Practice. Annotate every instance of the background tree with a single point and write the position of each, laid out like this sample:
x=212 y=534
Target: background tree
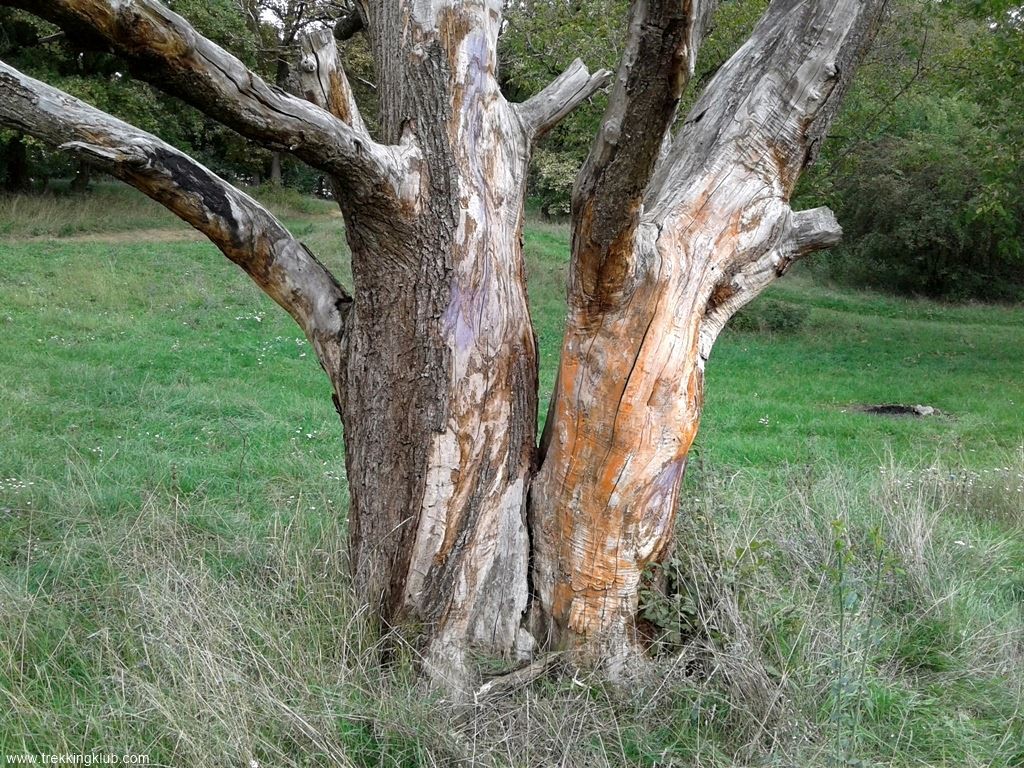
x=105 y=80
x=924 y=165
x=279 y=24
x=463 y=534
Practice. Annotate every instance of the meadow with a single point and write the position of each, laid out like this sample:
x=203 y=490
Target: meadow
x=849 y=589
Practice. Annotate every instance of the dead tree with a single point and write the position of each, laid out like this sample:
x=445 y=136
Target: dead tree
x=465 y=533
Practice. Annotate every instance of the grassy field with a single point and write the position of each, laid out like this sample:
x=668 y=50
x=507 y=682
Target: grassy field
x=172 y=504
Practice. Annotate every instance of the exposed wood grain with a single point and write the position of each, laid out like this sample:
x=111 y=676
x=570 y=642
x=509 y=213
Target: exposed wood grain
x=712 y=227
x=802 y=233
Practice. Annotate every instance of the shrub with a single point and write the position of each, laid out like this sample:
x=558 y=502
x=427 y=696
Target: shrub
x=934 y=208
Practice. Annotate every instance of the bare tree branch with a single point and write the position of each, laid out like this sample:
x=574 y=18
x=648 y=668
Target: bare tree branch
x=815 y=230
x=769 y=107
x=168 y=52
x=323 y=79
x=803 y=233
x=751 y=133
x=542 y=112
x=241 y=228
x=658 y=60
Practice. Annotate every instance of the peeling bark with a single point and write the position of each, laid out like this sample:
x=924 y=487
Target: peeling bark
x=440 y=410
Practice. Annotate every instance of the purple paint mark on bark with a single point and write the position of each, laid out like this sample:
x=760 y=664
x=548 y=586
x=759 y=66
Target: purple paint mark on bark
x=456 y=324
x=661 y=501
x=668 y=479
x=475 y=84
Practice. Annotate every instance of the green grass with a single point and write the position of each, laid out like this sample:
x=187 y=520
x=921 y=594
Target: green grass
x=172 y=503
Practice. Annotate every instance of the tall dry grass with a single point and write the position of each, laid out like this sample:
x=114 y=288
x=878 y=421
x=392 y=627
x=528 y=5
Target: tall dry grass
x=823 y=619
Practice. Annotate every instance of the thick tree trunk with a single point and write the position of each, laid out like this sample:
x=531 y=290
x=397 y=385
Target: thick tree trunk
x=439 y=396
x=440 y=390
x=650 y=291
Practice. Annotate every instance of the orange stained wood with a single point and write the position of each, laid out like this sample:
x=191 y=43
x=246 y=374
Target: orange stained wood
x=621 y=466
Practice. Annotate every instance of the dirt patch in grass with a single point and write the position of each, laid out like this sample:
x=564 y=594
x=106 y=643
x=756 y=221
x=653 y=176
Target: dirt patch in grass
x=898 y=409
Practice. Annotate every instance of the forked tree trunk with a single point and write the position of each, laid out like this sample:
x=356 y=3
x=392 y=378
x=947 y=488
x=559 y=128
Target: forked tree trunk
x=462 y=534
x=652 y=284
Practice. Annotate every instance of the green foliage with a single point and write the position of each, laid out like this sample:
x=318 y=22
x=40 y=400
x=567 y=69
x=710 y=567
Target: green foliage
x=924 y=165
x=105 y=81
x=552 y=176
x=539 y=42
x=927 y=208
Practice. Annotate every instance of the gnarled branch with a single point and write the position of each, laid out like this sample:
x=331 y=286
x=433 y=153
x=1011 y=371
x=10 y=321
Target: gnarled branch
x=768 y=107
x=323 y=79
x=166 y=50
x=803 y=233
x=543 y=111
x=815 y=230
x=240 y=227
x=658 y=60
x=757 y=125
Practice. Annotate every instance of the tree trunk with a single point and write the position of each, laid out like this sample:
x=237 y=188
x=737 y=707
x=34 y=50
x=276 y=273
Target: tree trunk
x=83 y=177
x=649 y=292
x=276 y=156
x=16 y=177
x=440 y=390
x=275 y=169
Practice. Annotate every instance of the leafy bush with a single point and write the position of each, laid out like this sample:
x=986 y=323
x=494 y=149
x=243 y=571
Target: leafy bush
x=929 y=209
x=551 y=181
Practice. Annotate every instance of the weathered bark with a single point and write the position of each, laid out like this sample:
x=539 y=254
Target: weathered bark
x=703 y=224
x=440 y=400
x=433 y=361
x=441 y=391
